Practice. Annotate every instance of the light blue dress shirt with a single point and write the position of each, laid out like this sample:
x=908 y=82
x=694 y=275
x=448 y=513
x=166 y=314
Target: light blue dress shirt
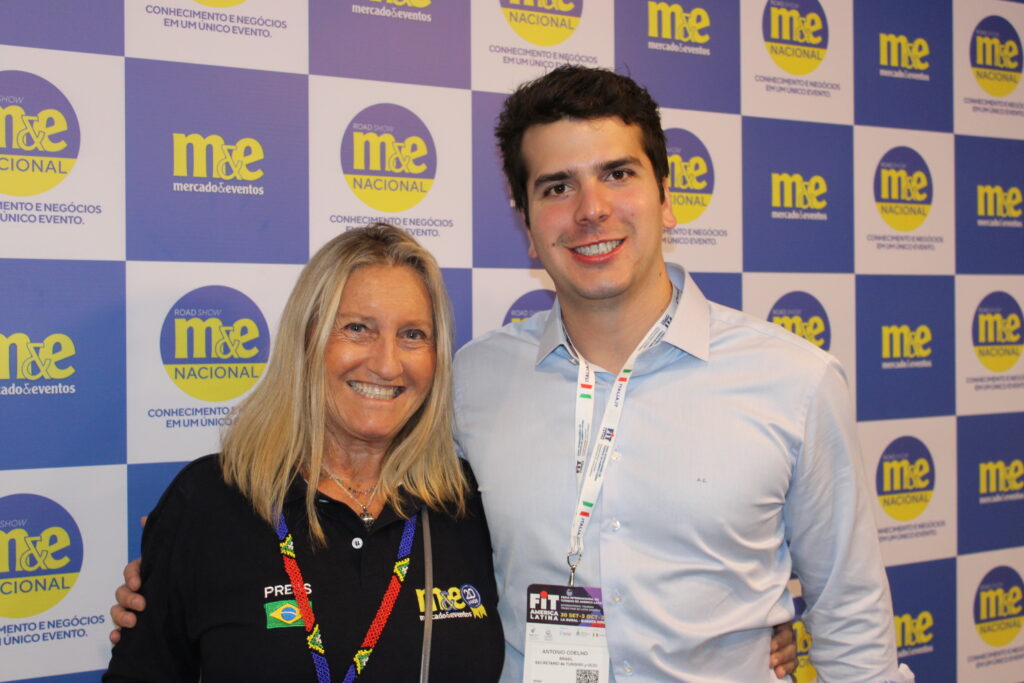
x=736 y=462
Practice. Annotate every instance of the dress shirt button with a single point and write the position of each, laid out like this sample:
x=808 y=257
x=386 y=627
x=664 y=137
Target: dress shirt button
x=627 y=669
x=617 y=599
x=616 y=455
x=616 y=525
x=357 y=543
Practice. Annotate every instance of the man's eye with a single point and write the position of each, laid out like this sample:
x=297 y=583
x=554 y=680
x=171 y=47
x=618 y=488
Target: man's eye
x=560 y=188
x=619 y=174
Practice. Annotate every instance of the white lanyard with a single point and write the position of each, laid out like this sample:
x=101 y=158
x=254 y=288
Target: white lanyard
x=594 y=478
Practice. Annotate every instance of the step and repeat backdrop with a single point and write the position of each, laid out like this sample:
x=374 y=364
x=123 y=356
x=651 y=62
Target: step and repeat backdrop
x=851 y=171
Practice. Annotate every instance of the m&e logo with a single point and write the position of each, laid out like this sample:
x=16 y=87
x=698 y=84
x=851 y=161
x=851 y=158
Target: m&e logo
x=997 y=606
x=905 y=478
x=796 y=34
x=906 y=347
x=215 y=343
x=388 y=157
x=903 y=189
x=995 y=56
x=1000 y=208
x=1000 y=481
x=995 y=332
x=804 y=316
x=48 y=359
x=691 y=174
x=39 y=134
x=913 y=631
x=670 y=21
x=40 y=554
x=453 y=601
x=796 y=197
x=211 y=156
x=900 y=57
x=543 y=22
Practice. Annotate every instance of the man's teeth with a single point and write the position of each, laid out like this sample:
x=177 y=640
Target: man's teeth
x=375 y=390
x=597 y=249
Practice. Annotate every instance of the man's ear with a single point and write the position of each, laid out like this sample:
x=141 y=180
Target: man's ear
x=668 y=218
x=529 y=238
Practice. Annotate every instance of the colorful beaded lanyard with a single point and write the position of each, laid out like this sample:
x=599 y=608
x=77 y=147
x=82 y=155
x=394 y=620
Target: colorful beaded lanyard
x=387 y=603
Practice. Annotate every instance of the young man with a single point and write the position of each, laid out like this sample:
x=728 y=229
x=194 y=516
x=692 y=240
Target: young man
x=726 y=458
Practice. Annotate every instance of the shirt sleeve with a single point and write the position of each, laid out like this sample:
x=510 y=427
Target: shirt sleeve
x=159 y=649
x=834 y=544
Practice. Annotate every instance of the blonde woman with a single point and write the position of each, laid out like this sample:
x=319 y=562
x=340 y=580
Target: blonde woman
x=336 y=536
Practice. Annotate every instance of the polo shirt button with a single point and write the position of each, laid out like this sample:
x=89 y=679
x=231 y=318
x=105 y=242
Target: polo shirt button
x=357 y=543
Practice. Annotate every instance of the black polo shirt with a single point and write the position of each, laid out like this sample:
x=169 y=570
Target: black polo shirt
x=218 y=601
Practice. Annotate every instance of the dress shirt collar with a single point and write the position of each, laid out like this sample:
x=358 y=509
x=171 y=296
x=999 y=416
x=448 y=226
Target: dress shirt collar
x=689 y=330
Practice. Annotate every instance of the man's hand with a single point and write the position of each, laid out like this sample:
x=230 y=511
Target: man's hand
x=129 y=601
x=783 y=653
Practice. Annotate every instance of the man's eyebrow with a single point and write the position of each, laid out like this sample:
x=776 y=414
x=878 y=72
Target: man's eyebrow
x=557 y=176
x=619 y=163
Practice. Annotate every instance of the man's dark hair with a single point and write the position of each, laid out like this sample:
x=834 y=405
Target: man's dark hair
x=576 y=92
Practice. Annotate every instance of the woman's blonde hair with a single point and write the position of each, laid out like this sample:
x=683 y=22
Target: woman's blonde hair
x=280 y=430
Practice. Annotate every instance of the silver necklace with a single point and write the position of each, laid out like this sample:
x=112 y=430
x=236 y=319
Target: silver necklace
x=366 y=517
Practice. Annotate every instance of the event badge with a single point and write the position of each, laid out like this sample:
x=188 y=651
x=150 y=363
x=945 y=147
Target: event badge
x=565 y=636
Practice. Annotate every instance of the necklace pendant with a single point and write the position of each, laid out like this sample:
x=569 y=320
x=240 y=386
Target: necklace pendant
x=367 y=518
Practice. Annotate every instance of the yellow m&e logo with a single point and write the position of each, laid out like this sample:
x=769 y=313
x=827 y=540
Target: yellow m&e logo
x=790 y=190
x=899 y=341
x=911 y=630
x=898 y=51
x=994 y=201
x=672 y=21
x=32 y=133
x=202 y=157
x=790 y=25
x=999 y=54
x=225 y=341
x=36 y=360
x=999 y=476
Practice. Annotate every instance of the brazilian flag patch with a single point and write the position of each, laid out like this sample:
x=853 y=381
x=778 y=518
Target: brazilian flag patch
x=283 y=614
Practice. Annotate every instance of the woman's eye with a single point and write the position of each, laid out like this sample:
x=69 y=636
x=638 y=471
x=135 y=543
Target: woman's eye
x=355 y=327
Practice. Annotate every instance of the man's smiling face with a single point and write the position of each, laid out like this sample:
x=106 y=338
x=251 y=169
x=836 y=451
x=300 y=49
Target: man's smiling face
x=596 y=209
